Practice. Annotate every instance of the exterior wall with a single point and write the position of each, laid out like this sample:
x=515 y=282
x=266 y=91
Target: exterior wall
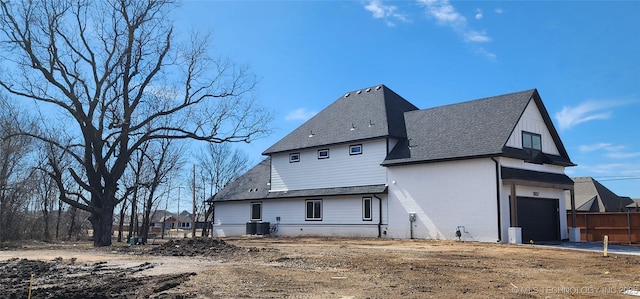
x=341 y=216
x=339 y=170
x=532 y=121
x=444 y=196
x=527 y=191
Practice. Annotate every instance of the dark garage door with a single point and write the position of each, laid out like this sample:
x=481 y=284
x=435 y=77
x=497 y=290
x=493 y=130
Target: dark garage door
x=538 y=218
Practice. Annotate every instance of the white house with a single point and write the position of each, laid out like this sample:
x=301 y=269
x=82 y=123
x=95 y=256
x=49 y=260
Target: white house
x=372 y=164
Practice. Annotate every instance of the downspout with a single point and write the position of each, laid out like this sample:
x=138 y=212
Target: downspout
x=379 y=216
x=498 y=198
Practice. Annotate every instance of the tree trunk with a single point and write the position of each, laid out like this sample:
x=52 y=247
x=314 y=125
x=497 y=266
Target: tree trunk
x=121 y=222
x=102 y=224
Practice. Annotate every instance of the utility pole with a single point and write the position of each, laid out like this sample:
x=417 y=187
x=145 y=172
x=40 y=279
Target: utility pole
x=193 y=215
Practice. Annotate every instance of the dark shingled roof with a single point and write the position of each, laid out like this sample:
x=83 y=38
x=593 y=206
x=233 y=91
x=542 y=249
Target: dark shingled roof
x=478 y=128
x=253 y=186
x=591 y=196
x=358 y=115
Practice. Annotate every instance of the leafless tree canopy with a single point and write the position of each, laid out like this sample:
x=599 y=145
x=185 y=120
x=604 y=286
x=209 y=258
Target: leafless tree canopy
x=120 y=77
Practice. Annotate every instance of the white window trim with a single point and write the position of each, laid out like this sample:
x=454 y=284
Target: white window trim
x=306 y=202
x=323 y=150
x=351 y=153
x=370 y=209
x=251 y=211
x=294 y=157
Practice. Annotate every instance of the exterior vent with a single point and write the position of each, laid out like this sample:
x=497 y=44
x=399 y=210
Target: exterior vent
x=368 y=89
x=346 y=95
x=378 y=87
x=359 y=92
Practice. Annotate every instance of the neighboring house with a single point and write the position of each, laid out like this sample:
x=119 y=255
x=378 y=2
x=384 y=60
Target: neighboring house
x=634 y=206
x=372 y=164
x=591 y=196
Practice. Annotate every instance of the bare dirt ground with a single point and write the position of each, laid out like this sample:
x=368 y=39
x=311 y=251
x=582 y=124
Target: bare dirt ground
x=313 y=268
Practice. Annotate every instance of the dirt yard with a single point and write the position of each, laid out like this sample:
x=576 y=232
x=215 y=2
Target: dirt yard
x=313 y=268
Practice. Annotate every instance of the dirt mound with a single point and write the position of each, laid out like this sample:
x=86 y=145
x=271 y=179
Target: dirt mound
x=64 y=279
x=200 y=247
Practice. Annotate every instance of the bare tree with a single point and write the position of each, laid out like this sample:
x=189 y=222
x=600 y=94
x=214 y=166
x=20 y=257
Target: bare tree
x=220 y=164
x=111 y=68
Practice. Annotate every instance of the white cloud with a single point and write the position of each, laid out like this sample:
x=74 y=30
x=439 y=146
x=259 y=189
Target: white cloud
x=594 y=147
x=446 y=15
x=386 y=12
x=478 y=14
x=476 y=37
x=586 y=111
x=498 y=10
x=621 y=155
x=300 y=114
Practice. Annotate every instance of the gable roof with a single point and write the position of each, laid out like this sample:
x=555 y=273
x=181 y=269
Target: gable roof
x=478 y=128
x=591 y=196
x=358 y=115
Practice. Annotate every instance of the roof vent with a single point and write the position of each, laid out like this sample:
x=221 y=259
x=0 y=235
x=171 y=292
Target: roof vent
x=311 y=134
x=353 y=127
x=346 y=95
x=378 y=87
x=370 y=124
x=368 y=89
x=359 y=92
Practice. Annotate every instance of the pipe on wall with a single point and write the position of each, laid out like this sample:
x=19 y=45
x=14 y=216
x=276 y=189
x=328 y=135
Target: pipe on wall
x=498 y=197
x=379 y=215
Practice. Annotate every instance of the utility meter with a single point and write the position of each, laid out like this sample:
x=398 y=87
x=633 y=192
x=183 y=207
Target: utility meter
x=412 y=217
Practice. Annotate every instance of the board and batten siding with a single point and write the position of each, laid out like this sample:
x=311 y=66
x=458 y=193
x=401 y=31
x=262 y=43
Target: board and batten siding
x=532 y=121
x=339 y=170
x=444 y=196
x=341 y=216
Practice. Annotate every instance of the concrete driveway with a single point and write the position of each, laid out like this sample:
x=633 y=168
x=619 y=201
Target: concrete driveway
x=598 y=247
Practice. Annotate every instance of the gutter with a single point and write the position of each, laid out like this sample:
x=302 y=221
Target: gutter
x=379 y=216
x=498 y=197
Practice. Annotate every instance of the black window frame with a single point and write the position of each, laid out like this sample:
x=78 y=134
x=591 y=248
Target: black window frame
x=366 y=209
x=251 y=211
x=531 y=150
x=351 y=147
x=294 y=157
x=316 y=210
x=320 y=157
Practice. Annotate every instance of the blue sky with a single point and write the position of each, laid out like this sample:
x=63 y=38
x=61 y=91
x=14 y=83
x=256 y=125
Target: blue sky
x=582 y=56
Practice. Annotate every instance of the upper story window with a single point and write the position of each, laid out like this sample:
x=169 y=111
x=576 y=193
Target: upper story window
x=323 y=154
x=295 y=157
x=355 y=149
x=531 y=143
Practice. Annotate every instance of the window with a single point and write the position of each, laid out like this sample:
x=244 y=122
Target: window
x=256 y=211
x=366 y=209
x=355 y=149
x=314 y=209
x=295 y=157
x=531 y=143
x=323 y=154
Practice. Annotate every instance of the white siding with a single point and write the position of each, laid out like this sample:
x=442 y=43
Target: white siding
x=444 y=196
x=532 y=121
x=341 y=216
x=339 y=170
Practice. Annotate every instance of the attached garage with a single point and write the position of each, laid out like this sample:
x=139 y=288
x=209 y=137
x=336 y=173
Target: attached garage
x=539 y=219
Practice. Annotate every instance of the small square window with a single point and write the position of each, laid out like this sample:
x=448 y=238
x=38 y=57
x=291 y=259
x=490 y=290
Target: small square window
x=323 y=154
x=295 y=157
x=355 y=149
